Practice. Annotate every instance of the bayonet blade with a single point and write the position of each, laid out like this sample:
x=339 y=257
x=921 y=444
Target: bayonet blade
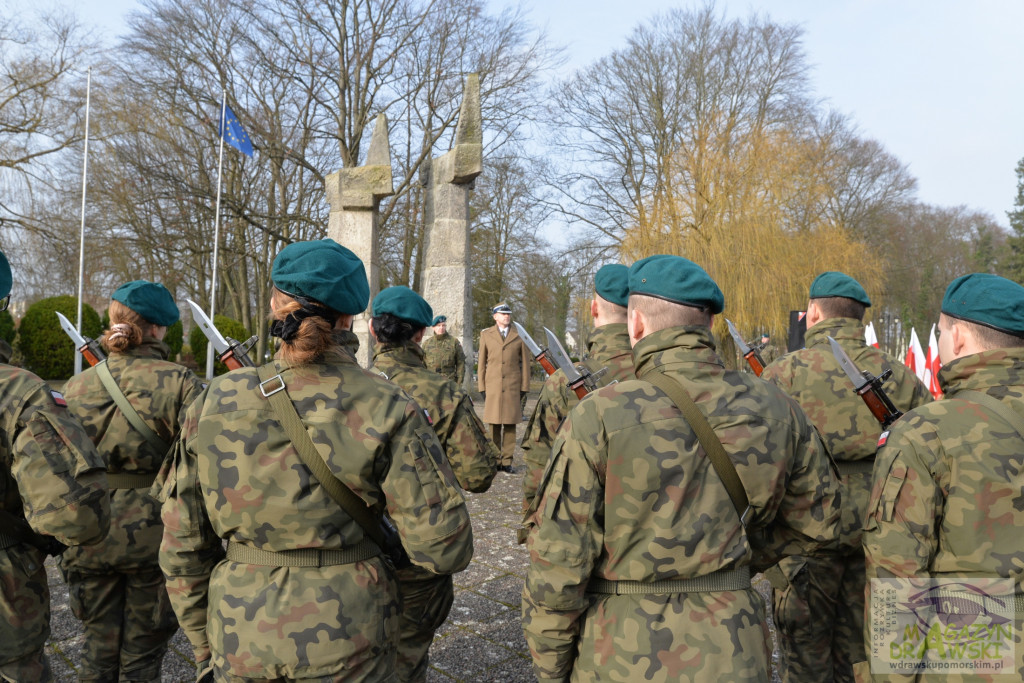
x=220 y=344
x=740 y=344
x=528 y=340
x=561 y=358
x=70 y=330
x=851 y=370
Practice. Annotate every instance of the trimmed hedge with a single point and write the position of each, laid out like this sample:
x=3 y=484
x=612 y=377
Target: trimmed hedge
x=175 y=338
x=45 y=349
x=7 y=327
x=229 y=327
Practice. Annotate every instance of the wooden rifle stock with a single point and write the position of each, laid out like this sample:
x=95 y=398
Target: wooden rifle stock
x=91 y=353
x=542 y=358
x=755 y=362
x=878 y=403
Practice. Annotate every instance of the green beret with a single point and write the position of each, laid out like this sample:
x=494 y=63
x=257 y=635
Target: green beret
x=834 y=283
x=324 y=271
x=403 y=303
x=612 y=283
x=6 y=280
x=151 y=300
x=988 y=300
x=676 y=279
x=501 y=308
x=438 y=320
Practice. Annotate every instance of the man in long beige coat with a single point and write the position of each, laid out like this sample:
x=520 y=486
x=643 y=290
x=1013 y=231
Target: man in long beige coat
x=503 y=377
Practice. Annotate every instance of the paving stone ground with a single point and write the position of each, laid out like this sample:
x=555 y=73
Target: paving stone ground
x=482 y=640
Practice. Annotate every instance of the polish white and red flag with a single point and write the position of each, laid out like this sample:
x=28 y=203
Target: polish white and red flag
x=916 y=359
x=870 y=338
x=934 y=364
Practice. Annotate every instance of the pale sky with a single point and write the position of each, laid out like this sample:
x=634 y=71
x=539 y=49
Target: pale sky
x=937 y=82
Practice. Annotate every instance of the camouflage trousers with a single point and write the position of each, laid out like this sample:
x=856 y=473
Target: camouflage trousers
x=819 y=616
x=24 y=615
x=128 y=621
x=426 y=601
x=504 y=437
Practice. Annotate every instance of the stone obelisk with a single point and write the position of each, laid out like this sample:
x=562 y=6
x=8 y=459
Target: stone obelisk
x=354 y=195
x=448 y=180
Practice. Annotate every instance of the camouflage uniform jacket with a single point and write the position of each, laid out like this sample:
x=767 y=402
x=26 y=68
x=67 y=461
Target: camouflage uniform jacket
x=629 y=495
x=444 y=355
x=159 y=391
x=51 y=475
x=237 y=476
x=473 y=456
x=947 y=497
x=814 y=378
x=608 y=347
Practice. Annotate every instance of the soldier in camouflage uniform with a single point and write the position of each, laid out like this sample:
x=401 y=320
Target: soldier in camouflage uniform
x=819 y=600
x=400 y=317
x=640 y=560
x=608 y=348
x=302 y=592
x=443 y=353
x=116 y=587
x=52 y=477
x=948 y=481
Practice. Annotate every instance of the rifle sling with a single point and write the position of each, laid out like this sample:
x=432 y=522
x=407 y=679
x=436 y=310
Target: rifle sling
x=133 y=417
x=709 y=441
x=296 y=432
x=996 y=406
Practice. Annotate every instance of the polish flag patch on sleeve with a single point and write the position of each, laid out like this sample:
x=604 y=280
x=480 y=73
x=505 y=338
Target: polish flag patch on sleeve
x=58 y=398
x=883 y=437
x=427 y=415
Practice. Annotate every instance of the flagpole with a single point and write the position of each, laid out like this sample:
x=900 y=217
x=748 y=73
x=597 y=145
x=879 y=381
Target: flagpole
x=81 y=239
x=216 y=233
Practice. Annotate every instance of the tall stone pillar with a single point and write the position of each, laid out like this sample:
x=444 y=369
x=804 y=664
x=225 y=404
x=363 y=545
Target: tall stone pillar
x=354 y=195
x=448 y=180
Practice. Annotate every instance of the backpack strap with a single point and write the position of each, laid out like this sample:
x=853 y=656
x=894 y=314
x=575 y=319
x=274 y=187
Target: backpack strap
x=709 y=441
x=133 y=417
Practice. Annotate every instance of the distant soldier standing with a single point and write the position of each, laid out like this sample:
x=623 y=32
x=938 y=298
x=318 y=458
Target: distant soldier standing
x=948 y=478
x=303 y=593
x=608 y=348
x=641 y=552
x=443 y=352
x=400 y=317
x=503 y=377
x=52 y=477
x=116 y=587
x=769 y=351
x=819 y=599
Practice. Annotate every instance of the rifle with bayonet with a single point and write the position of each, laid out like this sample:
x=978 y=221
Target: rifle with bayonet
x=752 y=356
x=540 y=355
x=232 y=353
x=89 y=348
x=19 y=530
x=868 y=387
x=581 y=380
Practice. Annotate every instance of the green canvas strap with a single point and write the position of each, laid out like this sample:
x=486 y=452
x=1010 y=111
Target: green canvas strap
x=151 y=437
x=722 y=580
x=708 y=440
x=273 y=389
x=302 y=557
x=996 y=406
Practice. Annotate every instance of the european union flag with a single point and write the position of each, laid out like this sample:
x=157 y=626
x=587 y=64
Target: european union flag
x=234 y=134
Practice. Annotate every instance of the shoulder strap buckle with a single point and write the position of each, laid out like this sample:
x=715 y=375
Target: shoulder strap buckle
x=268 y=389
